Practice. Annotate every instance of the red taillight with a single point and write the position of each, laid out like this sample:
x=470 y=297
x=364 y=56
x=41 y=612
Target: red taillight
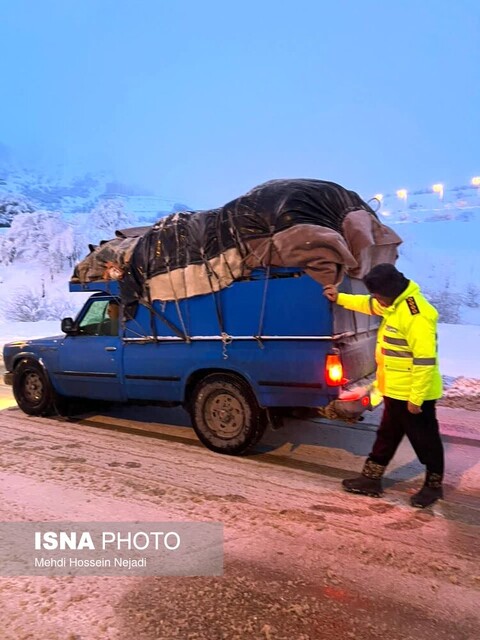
x=333 y=370
x=365 y=401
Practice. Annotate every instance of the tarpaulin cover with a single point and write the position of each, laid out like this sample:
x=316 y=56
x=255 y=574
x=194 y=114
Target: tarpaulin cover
x=313 y=224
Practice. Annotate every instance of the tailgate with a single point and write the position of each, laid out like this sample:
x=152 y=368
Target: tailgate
x=355 y=336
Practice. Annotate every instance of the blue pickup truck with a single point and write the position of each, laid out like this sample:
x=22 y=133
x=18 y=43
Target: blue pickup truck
x=237 y=359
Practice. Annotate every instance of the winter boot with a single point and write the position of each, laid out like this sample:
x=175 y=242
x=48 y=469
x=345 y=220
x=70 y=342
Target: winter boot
x=369 y=483
x=429 y=493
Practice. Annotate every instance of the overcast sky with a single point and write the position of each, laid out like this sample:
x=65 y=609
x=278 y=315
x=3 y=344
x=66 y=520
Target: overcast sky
x=202 y=99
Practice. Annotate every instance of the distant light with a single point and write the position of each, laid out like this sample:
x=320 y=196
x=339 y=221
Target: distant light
x=402 y=194
x=385 y=213
x=476 y=181
x=438 y=188
x=378 y=196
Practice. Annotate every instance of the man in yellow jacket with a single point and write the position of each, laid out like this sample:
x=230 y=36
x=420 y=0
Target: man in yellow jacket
x=408 y=376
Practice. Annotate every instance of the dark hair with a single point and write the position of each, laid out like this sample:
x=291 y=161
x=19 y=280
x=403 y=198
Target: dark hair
x=386 y=281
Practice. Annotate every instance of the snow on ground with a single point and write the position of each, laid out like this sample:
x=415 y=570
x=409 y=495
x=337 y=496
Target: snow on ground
x=303 y=559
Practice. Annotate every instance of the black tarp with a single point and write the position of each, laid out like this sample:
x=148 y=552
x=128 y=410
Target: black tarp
x=190 y=238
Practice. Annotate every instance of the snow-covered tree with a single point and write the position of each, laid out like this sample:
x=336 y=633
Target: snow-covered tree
x=32 y=233
x=62 y=249
x=37 y=302
x=446 y=301
x=106 y=218
x=24 y=305
x=41 y=237
x=472 y=296
x=11 y=205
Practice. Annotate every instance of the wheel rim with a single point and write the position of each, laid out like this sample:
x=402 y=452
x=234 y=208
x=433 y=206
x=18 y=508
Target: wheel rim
x=33 y=387
x=224 y=415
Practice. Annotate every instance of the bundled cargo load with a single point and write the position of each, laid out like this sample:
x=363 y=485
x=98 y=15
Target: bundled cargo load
x=318 y=226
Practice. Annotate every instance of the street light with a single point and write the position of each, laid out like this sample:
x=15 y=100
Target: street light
x=402 y=194
x=438 y=188
x=476 y=181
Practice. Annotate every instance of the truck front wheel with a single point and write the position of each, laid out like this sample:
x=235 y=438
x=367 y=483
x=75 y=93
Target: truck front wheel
x=225 y=414
x=32 y=389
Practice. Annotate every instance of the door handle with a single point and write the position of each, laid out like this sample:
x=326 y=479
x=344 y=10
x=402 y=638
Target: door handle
x=110 y=348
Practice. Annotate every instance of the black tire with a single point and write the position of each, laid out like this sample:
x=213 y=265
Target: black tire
x=225 y=414
x=33 y=391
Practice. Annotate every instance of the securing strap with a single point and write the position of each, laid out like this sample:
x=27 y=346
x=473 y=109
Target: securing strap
x=169 y=324
x=177 y=305
x=258 y=337
x=226 y=339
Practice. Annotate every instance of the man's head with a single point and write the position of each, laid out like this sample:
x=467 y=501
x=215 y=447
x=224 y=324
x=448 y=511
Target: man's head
x=113 y=310
x=385 y=283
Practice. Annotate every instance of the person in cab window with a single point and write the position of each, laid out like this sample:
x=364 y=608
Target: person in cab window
x=111 y=323
x=408 y=376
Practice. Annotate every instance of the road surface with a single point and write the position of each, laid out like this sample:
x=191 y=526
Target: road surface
x=303 y=560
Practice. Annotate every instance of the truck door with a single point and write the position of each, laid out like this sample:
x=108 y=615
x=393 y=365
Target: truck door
x=90 y=361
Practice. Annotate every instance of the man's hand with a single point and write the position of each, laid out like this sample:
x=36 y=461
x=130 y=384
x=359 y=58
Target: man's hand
x=414 y=408
x=330 y=291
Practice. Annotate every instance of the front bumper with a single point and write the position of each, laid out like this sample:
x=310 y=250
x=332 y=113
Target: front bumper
x=8 y=378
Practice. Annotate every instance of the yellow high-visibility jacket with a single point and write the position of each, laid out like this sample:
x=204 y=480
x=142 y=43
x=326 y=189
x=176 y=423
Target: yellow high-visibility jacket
x=406 y=351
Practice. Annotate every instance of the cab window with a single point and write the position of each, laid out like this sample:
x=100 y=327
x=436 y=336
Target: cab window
x=93 y=322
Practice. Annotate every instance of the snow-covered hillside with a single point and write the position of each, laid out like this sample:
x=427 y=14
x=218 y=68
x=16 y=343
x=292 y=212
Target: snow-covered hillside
x=72 y=194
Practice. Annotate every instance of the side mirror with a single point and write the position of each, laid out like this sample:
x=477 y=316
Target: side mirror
x=68 y=325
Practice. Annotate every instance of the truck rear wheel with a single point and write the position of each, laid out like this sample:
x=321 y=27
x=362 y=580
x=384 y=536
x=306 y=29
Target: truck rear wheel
x=32 y=389
x=225 y=414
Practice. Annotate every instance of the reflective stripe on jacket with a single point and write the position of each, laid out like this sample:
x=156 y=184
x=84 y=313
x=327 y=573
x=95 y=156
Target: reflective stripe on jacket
x=406 y=352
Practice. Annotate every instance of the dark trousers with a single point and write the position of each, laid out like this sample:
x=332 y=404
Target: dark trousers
x=421 y=429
